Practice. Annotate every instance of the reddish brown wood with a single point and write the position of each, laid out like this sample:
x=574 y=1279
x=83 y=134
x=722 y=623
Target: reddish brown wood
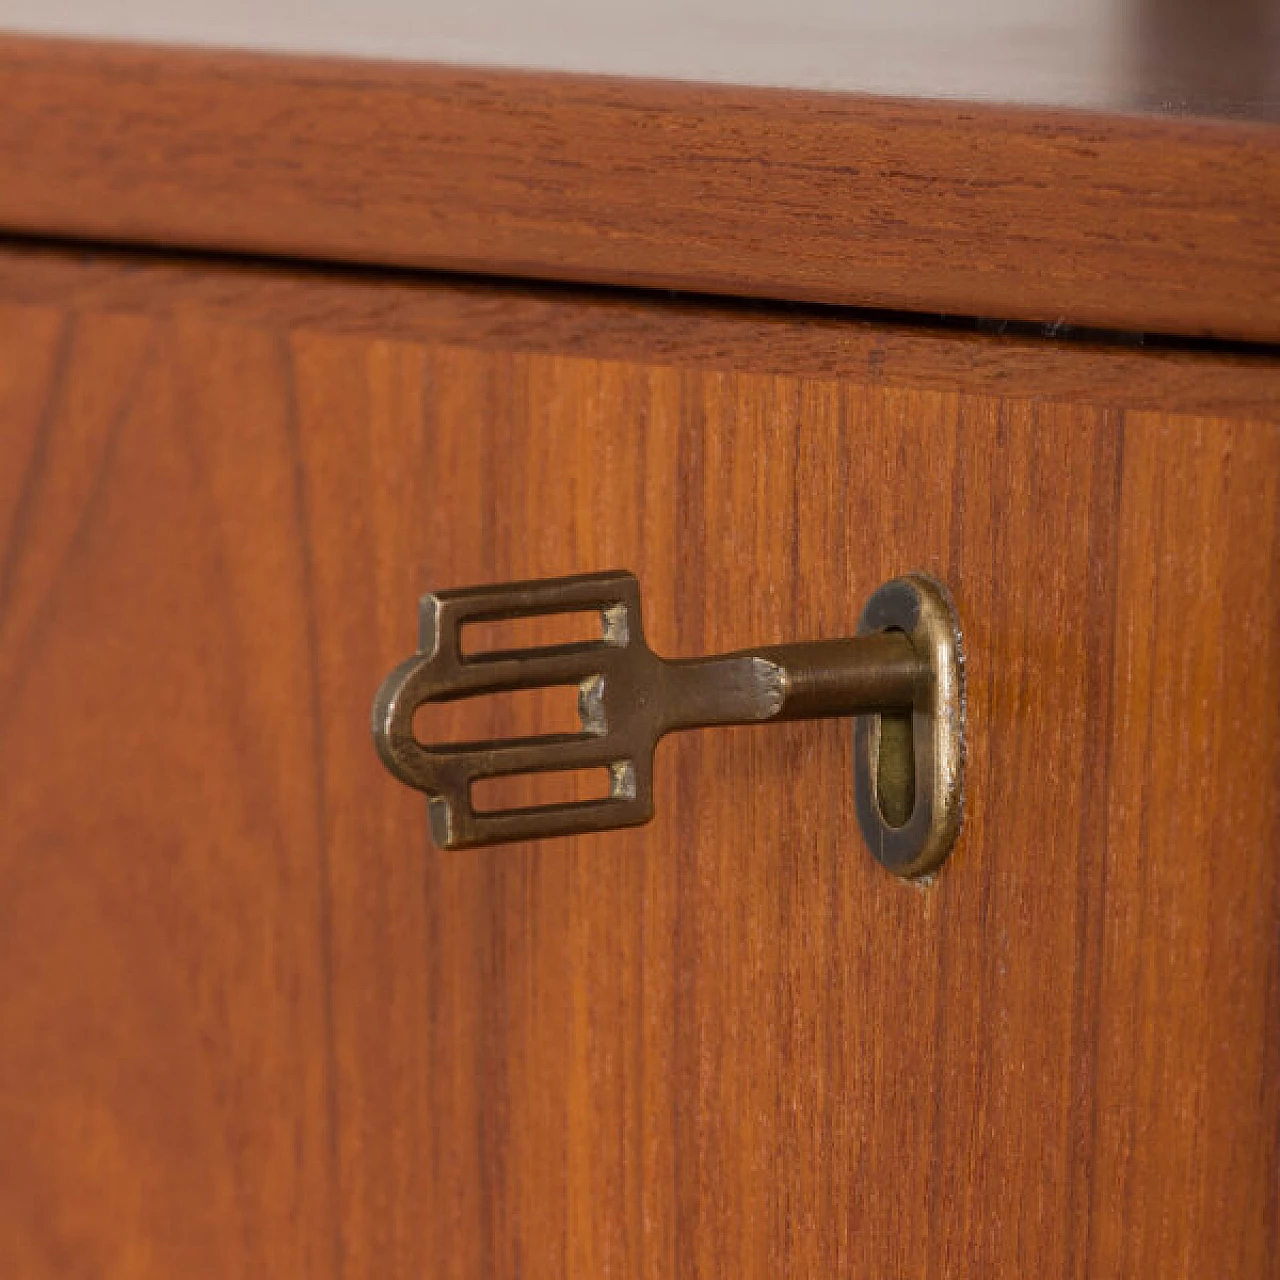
x=254 y=1025
x=1107 y=220
x=608 y=326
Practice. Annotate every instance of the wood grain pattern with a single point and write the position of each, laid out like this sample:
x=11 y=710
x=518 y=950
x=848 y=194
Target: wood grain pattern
x=1093 y=219
x=608 y=325
x=255 y=1026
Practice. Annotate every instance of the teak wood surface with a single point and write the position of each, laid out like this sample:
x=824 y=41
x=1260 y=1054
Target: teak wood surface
x=254 y=1025
x=1137 y=222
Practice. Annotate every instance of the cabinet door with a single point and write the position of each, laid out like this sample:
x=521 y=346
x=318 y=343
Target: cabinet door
x=254 y=1024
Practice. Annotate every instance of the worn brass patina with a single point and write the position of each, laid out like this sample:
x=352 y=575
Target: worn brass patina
x=905 y=663
x=910 y=816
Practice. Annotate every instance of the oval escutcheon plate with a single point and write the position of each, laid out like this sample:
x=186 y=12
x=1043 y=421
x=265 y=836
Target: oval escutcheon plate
x=921 y=607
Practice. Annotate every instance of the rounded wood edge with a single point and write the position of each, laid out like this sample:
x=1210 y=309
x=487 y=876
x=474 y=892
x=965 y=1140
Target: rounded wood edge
x=1154 y=224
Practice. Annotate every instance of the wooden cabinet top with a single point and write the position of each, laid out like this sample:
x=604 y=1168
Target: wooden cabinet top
x=1057 y=164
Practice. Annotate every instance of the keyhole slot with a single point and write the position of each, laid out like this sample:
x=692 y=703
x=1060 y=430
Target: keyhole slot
x=895 y=768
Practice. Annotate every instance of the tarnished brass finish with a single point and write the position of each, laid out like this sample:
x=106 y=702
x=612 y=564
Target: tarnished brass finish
x=628 y=698
x=919 y=607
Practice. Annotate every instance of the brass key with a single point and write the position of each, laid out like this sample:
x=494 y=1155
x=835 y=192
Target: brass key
x=905 y=665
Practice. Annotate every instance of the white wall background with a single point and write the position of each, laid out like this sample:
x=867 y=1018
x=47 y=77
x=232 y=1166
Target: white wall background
x=1056 y=51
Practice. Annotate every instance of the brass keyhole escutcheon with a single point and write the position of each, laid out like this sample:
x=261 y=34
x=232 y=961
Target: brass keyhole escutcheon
x=908 y=766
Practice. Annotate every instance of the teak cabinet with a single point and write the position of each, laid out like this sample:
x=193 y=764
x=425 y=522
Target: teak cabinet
x=252 y=1023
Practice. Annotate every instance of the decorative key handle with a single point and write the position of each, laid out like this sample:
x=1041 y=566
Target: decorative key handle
x=901 y=677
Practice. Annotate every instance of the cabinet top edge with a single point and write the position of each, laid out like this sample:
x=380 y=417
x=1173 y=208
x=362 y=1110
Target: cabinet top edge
x=1160 y=223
